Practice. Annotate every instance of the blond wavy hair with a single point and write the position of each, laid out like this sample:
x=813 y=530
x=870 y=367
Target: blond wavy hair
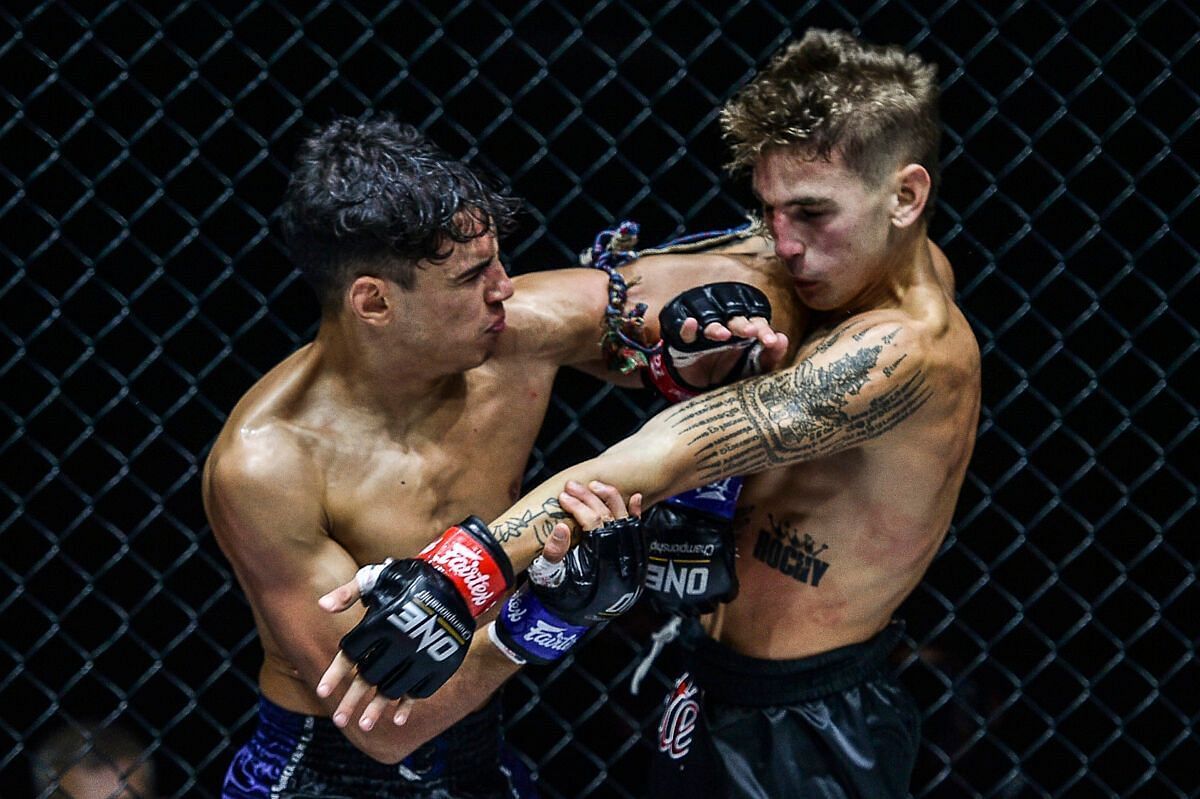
x=874 y=105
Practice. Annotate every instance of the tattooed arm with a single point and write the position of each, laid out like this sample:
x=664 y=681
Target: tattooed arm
x=860 y=382
x=863 y=380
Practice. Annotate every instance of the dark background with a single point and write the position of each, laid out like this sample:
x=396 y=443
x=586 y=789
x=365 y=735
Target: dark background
x=145 y=146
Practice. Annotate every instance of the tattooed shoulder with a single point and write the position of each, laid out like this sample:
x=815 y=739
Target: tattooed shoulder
x=859 y=383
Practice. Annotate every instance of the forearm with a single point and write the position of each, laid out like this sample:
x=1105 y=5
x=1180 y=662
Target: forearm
x=760 y=423
x=570 y=303
x=652 y=462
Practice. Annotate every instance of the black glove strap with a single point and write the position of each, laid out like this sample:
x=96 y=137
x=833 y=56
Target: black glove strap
x=714 y=302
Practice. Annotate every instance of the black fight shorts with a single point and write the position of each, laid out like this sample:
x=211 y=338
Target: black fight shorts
x=293 y=756
x=832 y=726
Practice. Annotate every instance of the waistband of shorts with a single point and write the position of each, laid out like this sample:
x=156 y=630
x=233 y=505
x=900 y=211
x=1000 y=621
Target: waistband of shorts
x=728 y=676
x=474 y=740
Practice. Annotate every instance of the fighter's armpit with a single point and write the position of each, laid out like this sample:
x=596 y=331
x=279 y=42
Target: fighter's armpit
x=860 y=382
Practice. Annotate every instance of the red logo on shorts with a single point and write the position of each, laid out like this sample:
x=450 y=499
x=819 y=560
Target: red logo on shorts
x=679 y=719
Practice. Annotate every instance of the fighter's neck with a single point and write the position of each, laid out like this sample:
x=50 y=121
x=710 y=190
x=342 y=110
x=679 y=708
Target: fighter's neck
x=901 y=281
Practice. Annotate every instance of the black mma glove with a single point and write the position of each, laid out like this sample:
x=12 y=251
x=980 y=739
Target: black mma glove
x=421 y=611
x=715 y=302
x=690 y=546
x=598 y=580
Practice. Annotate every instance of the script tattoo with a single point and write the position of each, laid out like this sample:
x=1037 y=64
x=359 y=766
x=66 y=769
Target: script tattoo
x=540 y=522
x=801 y=414
x=782 y=549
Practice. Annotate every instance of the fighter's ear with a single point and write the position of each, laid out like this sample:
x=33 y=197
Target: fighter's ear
x=912 y=192
x=370 y=300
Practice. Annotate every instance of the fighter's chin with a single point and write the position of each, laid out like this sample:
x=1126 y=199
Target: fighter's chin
x=809 y=292
x=477 y=356
x=491 y=345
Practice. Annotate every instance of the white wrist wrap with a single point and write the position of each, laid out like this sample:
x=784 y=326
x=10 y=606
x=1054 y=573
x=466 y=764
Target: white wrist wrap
x=546 y=574
x=496 y=642
x=367 y=575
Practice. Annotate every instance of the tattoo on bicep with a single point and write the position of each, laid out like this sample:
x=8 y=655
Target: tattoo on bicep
x=799 y=414
x=539 y=522
x=890 y=369
x=824 y=344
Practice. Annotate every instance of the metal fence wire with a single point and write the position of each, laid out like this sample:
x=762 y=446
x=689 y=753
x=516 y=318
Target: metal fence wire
x=144 y=147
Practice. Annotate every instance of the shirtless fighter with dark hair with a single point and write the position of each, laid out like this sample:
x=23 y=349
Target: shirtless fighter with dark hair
x=417 y=404
x=855 y=451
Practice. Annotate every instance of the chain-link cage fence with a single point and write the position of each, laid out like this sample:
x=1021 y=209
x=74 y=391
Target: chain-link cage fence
x=145 y=146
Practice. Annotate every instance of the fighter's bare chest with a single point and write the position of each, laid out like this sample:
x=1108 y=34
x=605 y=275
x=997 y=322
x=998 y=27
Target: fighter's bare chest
x=393 y=496
x=408 y=499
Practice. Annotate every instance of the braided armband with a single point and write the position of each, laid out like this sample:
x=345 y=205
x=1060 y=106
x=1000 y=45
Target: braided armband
x=622 y=342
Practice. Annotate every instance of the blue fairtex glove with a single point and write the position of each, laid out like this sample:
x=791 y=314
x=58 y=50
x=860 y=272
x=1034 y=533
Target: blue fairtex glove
x=690 y=544
x=600 y=579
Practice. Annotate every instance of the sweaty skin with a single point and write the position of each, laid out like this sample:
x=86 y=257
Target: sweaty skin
x=856 y=449
x=856 y=526
x=410 y=410
x=856 y=452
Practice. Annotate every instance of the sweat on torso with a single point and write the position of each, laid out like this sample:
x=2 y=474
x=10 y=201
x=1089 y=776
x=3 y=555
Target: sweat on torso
x=382 y=492
x=828 y=548
x=393 y=497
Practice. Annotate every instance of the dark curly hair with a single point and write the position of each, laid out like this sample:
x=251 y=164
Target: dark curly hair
x=373 y=196
x=876 y=105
